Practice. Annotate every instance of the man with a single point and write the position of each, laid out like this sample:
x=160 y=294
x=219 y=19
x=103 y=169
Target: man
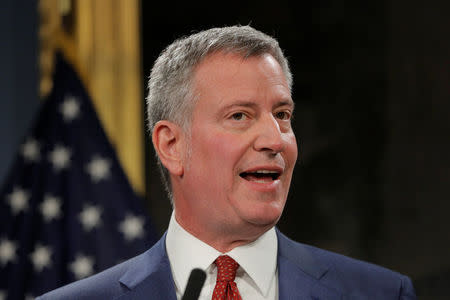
x=220 y=112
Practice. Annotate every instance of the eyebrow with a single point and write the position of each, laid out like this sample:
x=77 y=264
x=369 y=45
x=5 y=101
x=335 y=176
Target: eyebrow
x=289 y=102
x=252 y=104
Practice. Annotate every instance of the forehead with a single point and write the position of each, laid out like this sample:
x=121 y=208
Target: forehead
x=227 y=77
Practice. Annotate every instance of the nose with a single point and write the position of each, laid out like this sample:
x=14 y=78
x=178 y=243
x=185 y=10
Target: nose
x=269 y=137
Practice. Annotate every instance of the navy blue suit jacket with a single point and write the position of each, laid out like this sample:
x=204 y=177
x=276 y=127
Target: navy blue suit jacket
x=305 y=272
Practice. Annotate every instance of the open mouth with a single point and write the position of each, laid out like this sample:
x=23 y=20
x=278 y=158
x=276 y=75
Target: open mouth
x=261 y=176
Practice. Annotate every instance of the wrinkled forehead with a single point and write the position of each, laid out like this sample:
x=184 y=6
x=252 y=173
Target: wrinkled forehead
x=225 y=79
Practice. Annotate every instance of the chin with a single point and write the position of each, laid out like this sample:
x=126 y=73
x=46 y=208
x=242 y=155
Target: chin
x=268 y=217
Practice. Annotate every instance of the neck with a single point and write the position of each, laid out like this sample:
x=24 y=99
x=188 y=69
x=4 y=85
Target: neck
x=221 y=239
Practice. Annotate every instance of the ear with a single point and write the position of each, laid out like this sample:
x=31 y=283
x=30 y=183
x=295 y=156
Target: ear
x=168 y=140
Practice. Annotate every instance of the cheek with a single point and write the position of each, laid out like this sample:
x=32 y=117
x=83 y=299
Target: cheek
x=291 y=149
x=213 y=167
x=217 y=153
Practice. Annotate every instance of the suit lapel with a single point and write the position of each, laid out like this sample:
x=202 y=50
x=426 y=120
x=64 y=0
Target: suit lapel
x=150 y=277
x=299 y=273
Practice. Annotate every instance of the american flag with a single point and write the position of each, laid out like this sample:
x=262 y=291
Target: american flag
x=67 y=209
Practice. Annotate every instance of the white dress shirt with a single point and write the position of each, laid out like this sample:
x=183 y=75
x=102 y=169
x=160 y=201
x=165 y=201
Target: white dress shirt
x=256 y=277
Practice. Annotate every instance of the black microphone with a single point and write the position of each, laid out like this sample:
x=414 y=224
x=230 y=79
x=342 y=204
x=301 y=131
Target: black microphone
x=194 y=285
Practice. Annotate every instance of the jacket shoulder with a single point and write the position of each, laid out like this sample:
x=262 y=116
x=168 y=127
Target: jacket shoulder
x=349 y=275
x=104 y=285
x=115 y=281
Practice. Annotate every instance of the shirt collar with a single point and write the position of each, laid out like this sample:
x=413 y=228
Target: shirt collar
x=186 y=252
x=259 y=259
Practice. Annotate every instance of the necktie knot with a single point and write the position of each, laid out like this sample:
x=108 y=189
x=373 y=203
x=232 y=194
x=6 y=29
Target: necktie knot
x=226 y=288
x=226 y=268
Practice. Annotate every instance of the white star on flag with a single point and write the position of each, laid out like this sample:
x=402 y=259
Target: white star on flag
x=7 y=251
x=41 y=257
x=132 y=227
x=70 y=108
x=83 y=266
x=30 y=150
x=50 y=208
x=90 y=217
x=60 y=157
x=98 y=168
x=18 y=200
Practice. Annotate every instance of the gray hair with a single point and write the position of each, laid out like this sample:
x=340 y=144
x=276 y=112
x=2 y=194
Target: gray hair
x=171 y=96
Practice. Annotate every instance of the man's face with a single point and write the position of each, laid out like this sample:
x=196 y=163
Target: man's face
x=242 y=147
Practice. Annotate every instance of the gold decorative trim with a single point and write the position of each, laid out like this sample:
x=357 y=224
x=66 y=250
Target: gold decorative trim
x=103 y=44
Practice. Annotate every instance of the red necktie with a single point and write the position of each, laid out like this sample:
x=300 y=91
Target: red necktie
x=226 y=288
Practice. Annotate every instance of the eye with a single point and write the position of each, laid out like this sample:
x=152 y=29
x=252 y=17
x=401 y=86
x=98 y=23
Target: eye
x=239 y=116
x=283 y=115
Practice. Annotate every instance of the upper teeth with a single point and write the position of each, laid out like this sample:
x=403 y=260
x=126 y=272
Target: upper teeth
x=266 y=172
